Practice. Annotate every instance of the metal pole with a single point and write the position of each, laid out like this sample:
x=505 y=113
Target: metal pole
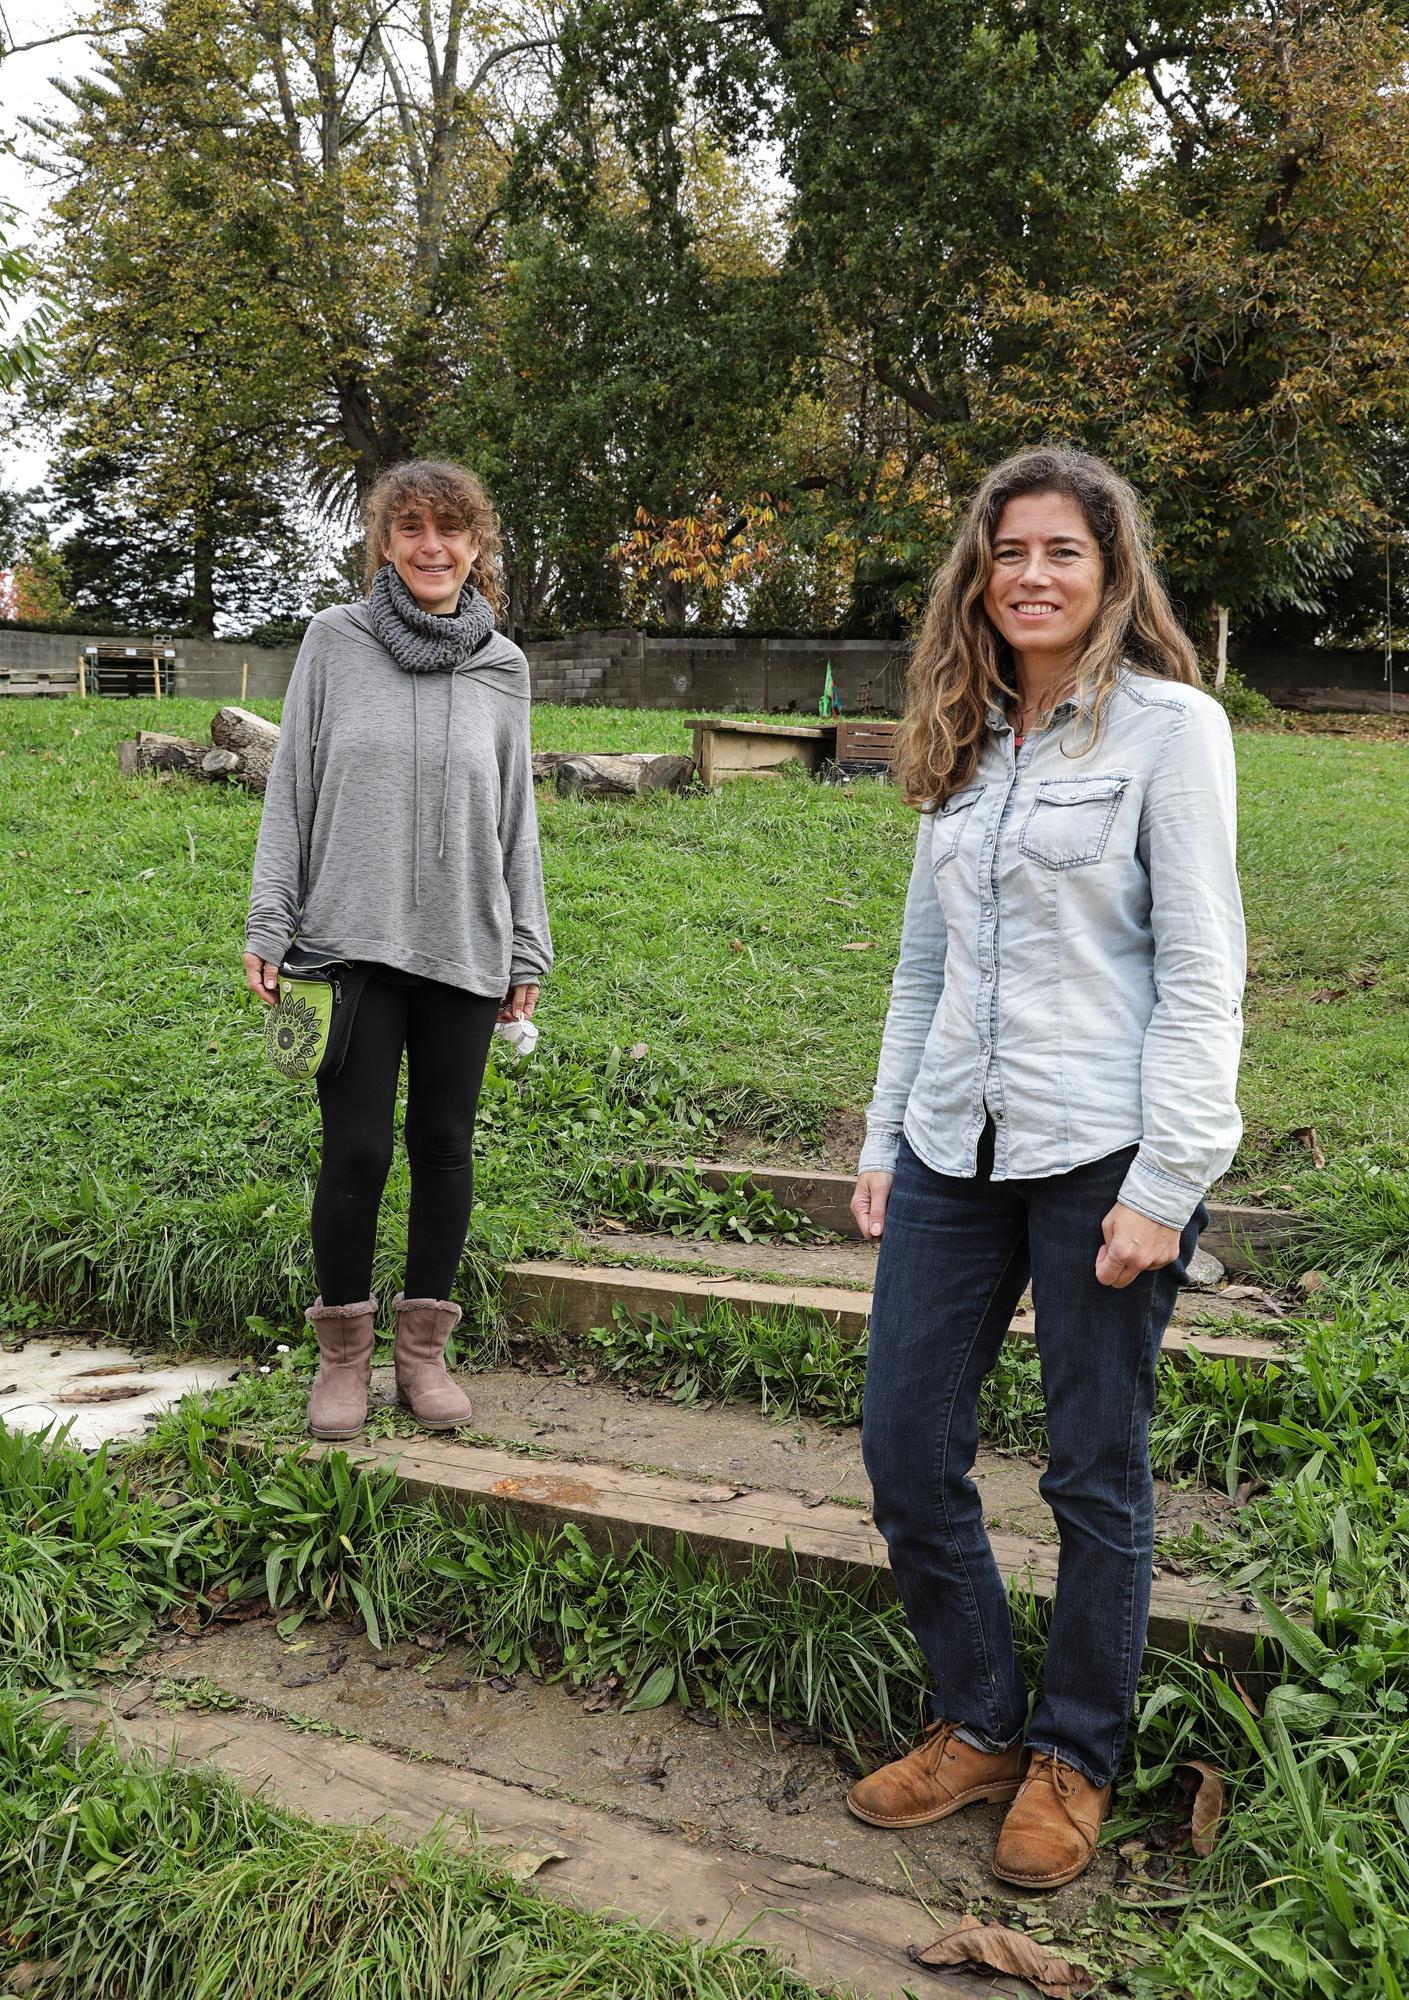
x=1389 y=630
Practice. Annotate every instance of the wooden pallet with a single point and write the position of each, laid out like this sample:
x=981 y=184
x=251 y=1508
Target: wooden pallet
x=38 y=680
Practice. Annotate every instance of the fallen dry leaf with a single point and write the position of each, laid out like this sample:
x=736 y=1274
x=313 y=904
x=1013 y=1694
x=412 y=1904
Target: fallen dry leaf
x=1305 y=1135
x=528 y=1860
x=860 y=944
x=106 y=1392
x=998 y=1949
x=1311 y=1281
x=1326 y=995
x=1209 y=1798
x=610 y=1222
x=638 y=1050
x=736 y=944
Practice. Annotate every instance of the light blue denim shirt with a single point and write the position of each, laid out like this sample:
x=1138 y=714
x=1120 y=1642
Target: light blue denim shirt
x=1073 y=956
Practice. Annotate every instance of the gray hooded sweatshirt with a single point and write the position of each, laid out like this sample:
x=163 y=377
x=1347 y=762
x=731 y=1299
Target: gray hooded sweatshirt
x=399 y=823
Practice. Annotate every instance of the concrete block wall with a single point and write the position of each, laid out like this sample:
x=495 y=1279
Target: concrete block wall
x=625 y=669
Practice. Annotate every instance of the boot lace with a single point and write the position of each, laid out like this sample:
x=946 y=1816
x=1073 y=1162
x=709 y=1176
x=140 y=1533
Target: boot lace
x=936 y=1744
x=1046 y=1765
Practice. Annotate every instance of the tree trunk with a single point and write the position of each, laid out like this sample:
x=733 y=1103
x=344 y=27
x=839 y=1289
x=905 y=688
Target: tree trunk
x=203 y=578
x=252 y=737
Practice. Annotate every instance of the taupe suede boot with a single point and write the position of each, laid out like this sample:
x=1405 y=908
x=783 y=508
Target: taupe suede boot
x=337 y=1402
x=1052 y=1826
x=422 y=1383
x=939 y=1776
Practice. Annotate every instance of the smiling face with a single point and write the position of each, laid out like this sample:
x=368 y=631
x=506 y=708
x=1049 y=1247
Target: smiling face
x=432 y=558
x=1046 y=583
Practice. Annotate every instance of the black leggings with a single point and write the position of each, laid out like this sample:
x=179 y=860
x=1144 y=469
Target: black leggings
x=445 y=1034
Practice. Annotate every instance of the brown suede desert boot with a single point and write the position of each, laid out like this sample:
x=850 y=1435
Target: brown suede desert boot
x=422 y=1381
x=1052 y=1826
x=337 y=1402
x=939 y=1776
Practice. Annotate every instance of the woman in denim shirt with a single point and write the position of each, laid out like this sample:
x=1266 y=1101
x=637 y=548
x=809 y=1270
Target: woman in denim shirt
x=1055 y=1095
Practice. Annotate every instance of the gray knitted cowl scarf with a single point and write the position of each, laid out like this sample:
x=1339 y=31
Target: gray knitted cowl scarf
x=423 y=642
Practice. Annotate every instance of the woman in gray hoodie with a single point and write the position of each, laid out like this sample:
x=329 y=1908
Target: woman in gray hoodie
x=399 y=834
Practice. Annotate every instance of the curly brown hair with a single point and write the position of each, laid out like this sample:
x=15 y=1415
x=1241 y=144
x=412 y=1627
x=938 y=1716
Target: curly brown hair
x=961 y=666
x=457 y=499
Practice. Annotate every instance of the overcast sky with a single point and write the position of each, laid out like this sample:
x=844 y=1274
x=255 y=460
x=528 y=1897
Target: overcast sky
x=26 y=87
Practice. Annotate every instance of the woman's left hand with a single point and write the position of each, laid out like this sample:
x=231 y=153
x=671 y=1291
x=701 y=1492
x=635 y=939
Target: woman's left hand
x=519 y=1003
x=1133 y=1244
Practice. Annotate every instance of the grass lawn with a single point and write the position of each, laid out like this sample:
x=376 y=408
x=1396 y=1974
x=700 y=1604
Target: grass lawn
x=154 y=1172
x=155 y=1176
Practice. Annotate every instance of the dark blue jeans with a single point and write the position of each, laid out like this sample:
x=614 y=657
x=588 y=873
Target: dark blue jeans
x=954 y=1261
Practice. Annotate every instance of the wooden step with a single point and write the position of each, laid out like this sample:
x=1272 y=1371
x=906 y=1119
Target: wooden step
x=835 y=1931
x=1237 y=1235
x=551 y=1296
x=615 y=1506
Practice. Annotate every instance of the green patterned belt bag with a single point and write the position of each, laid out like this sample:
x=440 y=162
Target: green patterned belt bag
x=308 y=1030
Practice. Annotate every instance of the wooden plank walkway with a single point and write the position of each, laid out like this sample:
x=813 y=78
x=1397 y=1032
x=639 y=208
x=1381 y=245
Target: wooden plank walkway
x=553 y=1295
x=615 y=1506
x=1236 y=1234
x=833 y=1930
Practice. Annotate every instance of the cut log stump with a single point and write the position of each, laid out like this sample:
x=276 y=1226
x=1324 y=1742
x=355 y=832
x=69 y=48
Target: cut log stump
x=150 y=750
x=252 y=738
x=630 y=774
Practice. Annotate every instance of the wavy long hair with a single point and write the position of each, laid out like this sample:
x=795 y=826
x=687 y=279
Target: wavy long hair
x=453 y=494
x=961 y=666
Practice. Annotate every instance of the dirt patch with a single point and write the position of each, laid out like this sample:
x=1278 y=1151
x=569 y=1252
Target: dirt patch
x=728 y=1782
x=737 y=1444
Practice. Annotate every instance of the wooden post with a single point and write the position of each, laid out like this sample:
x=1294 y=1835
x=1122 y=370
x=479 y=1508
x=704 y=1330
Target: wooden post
x=83 y=677
x=244 y=682
x=1220 y=671
x=156 y=675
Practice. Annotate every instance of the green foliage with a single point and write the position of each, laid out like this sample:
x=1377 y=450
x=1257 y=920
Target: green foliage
x=136 y=1876
x=786 y=1362
x=156 y=1175
x=1241 y=702
x=679 y=1202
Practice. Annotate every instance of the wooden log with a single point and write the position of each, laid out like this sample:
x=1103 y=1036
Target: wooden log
x=150 y=750
x=622 y=776
x=546 y=762
x=252 y=737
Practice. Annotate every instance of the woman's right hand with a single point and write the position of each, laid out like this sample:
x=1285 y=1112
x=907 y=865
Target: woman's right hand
x=868 y=1203
x=262 y=978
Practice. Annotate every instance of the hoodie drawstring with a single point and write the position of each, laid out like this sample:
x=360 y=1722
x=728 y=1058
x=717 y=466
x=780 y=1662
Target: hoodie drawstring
x=449 y=733
x=415 y=794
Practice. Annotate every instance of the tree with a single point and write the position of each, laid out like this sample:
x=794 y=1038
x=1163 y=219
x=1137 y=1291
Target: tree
x=263 y=199
x=640 y=351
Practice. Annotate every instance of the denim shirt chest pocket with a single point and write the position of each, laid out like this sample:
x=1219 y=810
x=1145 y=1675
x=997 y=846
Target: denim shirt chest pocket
x=1070 y=821
x=949 y=822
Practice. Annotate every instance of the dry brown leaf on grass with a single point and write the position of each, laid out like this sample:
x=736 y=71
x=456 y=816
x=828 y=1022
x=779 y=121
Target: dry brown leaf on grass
x=1305 y=1135
x=998 y=1949
x=1209 y=1798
